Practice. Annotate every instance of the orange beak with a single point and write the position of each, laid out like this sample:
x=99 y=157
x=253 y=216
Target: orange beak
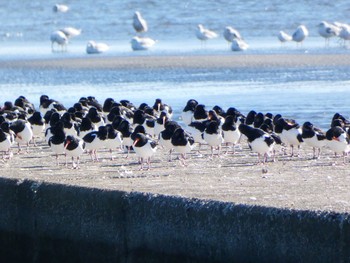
x=135 y=141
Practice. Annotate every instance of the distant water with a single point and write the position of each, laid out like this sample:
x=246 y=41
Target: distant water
x=313 y=94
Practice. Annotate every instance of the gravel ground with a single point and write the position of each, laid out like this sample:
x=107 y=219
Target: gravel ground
x=291 y=182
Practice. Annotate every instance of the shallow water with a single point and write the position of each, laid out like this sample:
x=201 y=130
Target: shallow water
x=313 y=94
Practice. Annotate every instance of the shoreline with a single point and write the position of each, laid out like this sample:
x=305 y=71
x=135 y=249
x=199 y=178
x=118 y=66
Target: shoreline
x=183 y=61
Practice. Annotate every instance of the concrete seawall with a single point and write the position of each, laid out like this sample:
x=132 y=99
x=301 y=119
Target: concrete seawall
x=45 y=222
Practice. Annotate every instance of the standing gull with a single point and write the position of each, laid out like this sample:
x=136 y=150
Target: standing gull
x=230 y=34
x=327 y=30
x=60 y=39
x=204 y=34
x=300 y=34
x=284 y=37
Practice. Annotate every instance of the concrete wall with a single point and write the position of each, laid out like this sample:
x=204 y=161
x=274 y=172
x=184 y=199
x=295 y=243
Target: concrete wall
x=56 y=223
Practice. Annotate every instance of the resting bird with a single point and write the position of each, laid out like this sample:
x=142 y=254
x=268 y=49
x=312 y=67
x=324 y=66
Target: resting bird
x=139 y=23
x=258 y=140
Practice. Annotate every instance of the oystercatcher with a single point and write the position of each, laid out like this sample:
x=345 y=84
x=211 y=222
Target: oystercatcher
x=145 y=148
x=187 y=112
x=212 y=135
x=38 y=125
x=114 y=139
x=57 y=140
x=313 y=137
x=74 y=147
x=166 y=135
x=182 y=143
x=338 y=141
x=258 y=141
x=94 y=141
x=23 y=132
x=230 y=132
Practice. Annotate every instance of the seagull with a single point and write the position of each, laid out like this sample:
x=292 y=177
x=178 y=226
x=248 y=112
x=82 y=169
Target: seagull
x=284 y=37
x=327 y=31
x=239 y=45
x=300 y=34
x=142 y=43
x=204 y=34
x=71 y=32
x=344 y=33
x=60 y=8
x=230 y=34
x=96 y=48
x=60 y=39
x=139 y=23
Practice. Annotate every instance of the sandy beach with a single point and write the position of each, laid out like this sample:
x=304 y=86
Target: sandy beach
x=292 y=182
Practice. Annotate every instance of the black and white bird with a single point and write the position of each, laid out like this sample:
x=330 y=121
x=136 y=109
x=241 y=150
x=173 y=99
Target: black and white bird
x=114 y=139
x=188 y=110
x=159 y=107
x=258 y=141
x=300 y=34
x=182 y=143
x=165 y=136
x=290 y=133
x=314 y=138
x=126 y=130
x=95 y=116
x=230 y=132
x=57 y=140
x=47 y=104
x=338 y=141
x=212 y=135
x=95 y=141
x=38 y=125
x=144 y=148
x=6 y=141
x=23 y=132
x=74 y=147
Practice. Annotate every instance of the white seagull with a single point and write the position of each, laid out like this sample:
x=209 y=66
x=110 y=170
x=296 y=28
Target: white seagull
x=60 y=39
x=300 y=34
x=230 y=34
x=284 y=37
x=71 y=32
x=60 y=8
x=328 y=30
x=204 y=34
x=344 y=33
x=96 y=48
x=139 y=23
x=239 y=45
x=142 y=43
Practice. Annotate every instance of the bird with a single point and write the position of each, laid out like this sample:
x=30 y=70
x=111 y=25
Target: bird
x=70 y=31
x=284 y=37
x=230 y=132
x=164 y=138
x=93 y=47
x=258 y=141
x=74 y=147
x=182 y=143
x=144 y=148
x=139 y=23
x=38 y=125
x=188 y=110
x=114 y=139
x=57 y=140
x=47 y=104
x=344 y=33
x=60 y=39
x=142 y=43
x=60 y=8
x=230 y=34
x=6 y=141
x=239 y=45
x=95 y=116
x=95 y=140
x=159 y=107
x=290 y=132
x=212 y=135
x=313 y=137
x=23 y=132
x=338 y=141
x=300 y=34
x=126 y=130
x=328 y=30
x=203 y=34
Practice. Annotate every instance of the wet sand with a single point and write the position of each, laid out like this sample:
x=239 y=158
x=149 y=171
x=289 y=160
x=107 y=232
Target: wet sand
x=189 y=61
x=292 y=182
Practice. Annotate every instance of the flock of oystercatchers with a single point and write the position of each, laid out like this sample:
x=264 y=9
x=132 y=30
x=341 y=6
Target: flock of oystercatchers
x=89 y=126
